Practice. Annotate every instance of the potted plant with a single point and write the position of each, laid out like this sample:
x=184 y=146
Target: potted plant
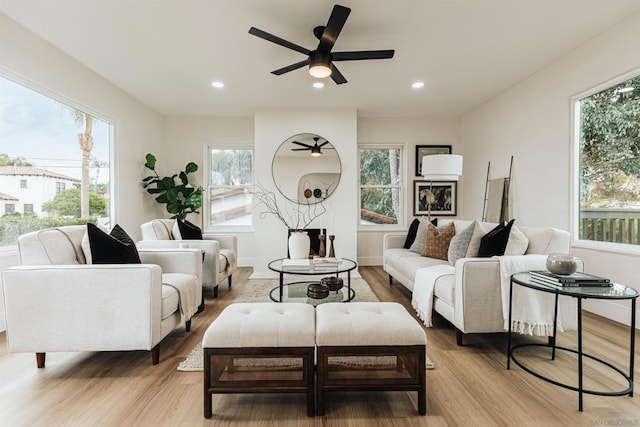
x=179 y=196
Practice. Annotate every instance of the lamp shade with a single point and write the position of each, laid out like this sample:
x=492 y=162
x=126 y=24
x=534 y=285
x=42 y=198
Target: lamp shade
x=442 y=167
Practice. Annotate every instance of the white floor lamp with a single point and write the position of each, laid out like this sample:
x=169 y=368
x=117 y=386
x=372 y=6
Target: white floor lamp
x=440 y=167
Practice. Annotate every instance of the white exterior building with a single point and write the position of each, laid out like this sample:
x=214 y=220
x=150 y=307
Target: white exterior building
x=27 y=188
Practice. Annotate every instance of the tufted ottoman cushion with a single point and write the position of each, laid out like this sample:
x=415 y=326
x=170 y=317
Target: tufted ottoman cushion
x=367 y=323
x=369 y=346
x=259 y=348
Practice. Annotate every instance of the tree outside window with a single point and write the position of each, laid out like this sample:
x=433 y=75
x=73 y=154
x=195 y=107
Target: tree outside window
x=380 y=185
x=609 y=164
x=230 y=179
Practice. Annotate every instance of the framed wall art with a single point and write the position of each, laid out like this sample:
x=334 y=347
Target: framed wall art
x=427 y=150
x=441 y=195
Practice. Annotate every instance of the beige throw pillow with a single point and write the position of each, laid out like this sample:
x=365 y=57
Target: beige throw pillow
x=479 y=230
x=518 y=242
x=436 y=244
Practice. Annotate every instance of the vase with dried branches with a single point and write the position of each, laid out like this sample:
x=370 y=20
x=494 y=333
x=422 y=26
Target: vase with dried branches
x=295 y=216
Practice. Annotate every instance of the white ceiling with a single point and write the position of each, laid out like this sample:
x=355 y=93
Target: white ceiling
x=166 y=53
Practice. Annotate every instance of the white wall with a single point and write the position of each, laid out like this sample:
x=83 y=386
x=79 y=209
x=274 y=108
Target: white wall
x=411 y=132
x=138 y=129
x=272 y=127
x=186 y=139
x=532 y=121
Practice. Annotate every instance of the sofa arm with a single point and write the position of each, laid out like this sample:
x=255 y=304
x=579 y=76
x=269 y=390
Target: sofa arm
x=82 y=307
x=226 y=241
x=185 y=261
x=394 y=240
x=478 y=296
x=209 y=263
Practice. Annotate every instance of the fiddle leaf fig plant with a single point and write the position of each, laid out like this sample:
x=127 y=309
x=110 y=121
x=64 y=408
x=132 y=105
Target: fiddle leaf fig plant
x=179 y=197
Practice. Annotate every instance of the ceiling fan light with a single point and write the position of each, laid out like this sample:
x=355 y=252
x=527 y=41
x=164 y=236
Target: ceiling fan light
x=319 y=65
x=315 y=151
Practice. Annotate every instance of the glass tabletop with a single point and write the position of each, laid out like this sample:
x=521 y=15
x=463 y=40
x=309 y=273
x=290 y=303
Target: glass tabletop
x=615 y=291
x=297 y=292
x=308 y=267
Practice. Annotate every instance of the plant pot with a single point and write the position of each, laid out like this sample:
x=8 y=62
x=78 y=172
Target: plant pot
x=299 y=245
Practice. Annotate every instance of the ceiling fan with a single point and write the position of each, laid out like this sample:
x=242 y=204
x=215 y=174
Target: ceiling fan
x=320 y=60
x=315 y=148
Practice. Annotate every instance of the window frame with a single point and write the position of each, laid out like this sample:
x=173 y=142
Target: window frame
x=70 y=102
x=206 y=202
x=576 y=242
x=402 y=215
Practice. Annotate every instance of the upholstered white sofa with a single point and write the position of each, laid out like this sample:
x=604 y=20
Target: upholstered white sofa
x=467 y=294
x=220 y=251
x=55 y=302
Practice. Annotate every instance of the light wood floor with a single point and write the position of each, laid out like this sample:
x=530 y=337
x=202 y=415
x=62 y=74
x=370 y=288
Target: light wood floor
x=470 y=385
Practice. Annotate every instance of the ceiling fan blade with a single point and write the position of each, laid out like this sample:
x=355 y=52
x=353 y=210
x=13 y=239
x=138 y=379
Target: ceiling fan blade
x=323 y=144
x=277 y=40
x=303 y=144
x=362 y=54
x=301 y=149
x=336 y=21
x=337 y=75
x=291 y=67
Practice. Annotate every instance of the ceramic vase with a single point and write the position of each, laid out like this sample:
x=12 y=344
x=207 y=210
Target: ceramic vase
x=299 y=245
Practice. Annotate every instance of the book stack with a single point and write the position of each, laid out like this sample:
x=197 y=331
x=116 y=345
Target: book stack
x=326 y=263
x=568 y=280
x=296 y=264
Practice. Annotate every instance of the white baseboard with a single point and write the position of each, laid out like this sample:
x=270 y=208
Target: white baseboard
x=615 y=311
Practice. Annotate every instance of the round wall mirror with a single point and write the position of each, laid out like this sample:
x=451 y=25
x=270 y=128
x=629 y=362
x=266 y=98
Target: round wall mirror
x=306 y=168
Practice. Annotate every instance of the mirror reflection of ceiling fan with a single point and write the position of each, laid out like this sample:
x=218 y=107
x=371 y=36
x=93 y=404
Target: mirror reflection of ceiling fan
x=320 y=60
x=315 y=148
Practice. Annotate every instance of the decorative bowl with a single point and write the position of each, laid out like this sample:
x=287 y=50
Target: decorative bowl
x=562 y=263
x=332 y=282
x=317 y=291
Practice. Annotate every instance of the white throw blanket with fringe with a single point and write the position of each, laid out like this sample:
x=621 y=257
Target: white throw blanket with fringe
x=424 y=283
x=186 y=300
x=532 y=310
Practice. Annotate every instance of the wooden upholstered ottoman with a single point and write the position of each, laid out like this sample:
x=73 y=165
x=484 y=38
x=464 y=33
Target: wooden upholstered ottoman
x=260 y=348
x=369 y=346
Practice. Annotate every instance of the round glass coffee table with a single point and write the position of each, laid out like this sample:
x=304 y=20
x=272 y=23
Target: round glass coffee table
x=297 y=291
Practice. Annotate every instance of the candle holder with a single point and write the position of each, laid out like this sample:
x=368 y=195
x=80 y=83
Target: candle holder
x=321 y=251
x=332 y=252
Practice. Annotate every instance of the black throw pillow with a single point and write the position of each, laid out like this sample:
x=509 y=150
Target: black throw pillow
x=494 y=243
x=189 y=231
x=114 y=248
x=413 y=230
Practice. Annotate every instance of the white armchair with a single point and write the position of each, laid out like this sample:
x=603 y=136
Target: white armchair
x=220 y=251
x=56 y=302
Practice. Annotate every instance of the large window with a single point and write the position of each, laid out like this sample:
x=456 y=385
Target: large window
x=381 y=178
x=230 y=171
x=608 y=141
x=54 y=163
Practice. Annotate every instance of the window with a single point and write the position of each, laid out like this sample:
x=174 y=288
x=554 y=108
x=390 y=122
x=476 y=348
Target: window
x=607 y=135
x=230 y=178
x=9 y=208
x=381 y=192
x=46 y=145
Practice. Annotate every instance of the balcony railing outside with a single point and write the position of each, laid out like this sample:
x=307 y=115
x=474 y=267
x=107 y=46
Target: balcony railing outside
x=610 y=225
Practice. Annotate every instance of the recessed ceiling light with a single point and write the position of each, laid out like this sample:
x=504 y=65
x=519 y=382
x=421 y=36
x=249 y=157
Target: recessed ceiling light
x=217 y=85
x=417 y=85
x=318 y=85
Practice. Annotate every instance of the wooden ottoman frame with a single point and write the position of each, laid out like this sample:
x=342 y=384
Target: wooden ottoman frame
x=369 y=346
x=221 y=375
x=260 y=348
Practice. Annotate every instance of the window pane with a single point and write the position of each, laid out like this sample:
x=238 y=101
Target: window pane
x=54 y=164
x=610 y=164
x=380 y=185
x=380 y=166
x=231 y=176
x=379 y=206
